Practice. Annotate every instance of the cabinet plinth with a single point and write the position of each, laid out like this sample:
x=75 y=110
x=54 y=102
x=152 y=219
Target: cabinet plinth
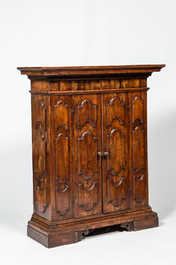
x=89 y=143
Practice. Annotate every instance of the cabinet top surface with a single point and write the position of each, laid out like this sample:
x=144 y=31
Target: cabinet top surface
x=90 y=70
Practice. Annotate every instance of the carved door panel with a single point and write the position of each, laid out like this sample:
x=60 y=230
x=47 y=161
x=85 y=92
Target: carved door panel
x=86 y=163
x=138 y=149
x=62 y=156
x=115 y=152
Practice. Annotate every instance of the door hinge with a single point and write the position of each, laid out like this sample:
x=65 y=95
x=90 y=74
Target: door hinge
x=72 y=112
x=128 y=108
x=73 y=200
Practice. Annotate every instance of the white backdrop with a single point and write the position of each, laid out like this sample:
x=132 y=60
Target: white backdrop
x=78 y=33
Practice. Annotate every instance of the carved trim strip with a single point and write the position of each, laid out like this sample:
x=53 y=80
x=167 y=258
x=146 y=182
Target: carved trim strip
x=111 y=104
x=94 y=170
x=64 y=152
x=140 y=182
x=62 y=199
x=109 y=151
x=91 y=187
x=116 y=187
x=40 y=165
x=66 y=185
x=87 y=115
x=89 y=209
x=82 y=174
x=138 y=138
x=37 y=124
x=62 y=173
x=40 y=157
x=40 y=110
x=62 y=125
x=41 y=198
x=118 y=184
x=137 y=109
x=83 y=201
x=60 y=117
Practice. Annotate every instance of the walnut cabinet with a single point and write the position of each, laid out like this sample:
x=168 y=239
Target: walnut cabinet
x=89 y=140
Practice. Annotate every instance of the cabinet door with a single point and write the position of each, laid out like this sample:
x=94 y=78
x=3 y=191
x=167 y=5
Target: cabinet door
x=86 y=163
x=138 y=149
x=61 y=169
x=115 y=148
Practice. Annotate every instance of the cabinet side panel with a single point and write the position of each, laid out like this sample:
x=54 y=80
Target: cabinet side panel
x=41 y=158
x=61 y=142
x=138 y=149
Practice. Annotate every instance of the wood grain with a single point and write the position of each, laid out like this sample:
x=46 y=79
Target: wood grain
x=115 y=143
x=89 y=146
x=86 y=162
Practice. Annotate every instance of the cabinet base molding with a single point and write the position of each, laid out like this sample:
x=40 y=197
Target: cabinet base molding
x=53 y=234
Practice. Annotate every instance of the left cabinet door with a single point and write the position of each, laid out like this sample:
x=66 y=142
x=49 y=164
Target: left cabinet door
x=61 y=146
x=86 y=162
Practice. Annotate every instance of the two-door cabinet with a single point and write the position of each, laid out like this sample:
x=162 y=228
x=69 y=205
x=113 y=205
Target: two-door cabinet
x=89 y=141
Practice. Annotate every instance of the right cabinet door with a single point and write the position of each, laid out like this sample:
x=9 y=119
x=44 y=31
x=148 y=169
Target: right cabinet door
x=138 y=165
x=115 y=152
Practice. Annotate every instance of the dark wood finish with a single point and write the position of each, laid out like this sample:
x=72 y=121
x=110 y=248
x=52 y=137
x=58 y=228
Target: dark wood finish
x=147 y=223
x=138 y=173
x=115 y=149
x=89 y=71
x=89 y=138
x=86 y=161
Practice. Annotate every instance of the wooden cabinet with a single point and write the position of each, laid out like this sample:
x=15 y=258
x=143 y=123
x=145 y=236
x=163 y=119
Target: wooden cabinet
x=89 y=137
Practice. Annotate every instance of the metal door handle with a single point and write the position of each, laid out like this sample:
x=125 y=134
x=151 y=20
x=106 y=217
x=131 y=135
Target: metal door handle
x=105 y=154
